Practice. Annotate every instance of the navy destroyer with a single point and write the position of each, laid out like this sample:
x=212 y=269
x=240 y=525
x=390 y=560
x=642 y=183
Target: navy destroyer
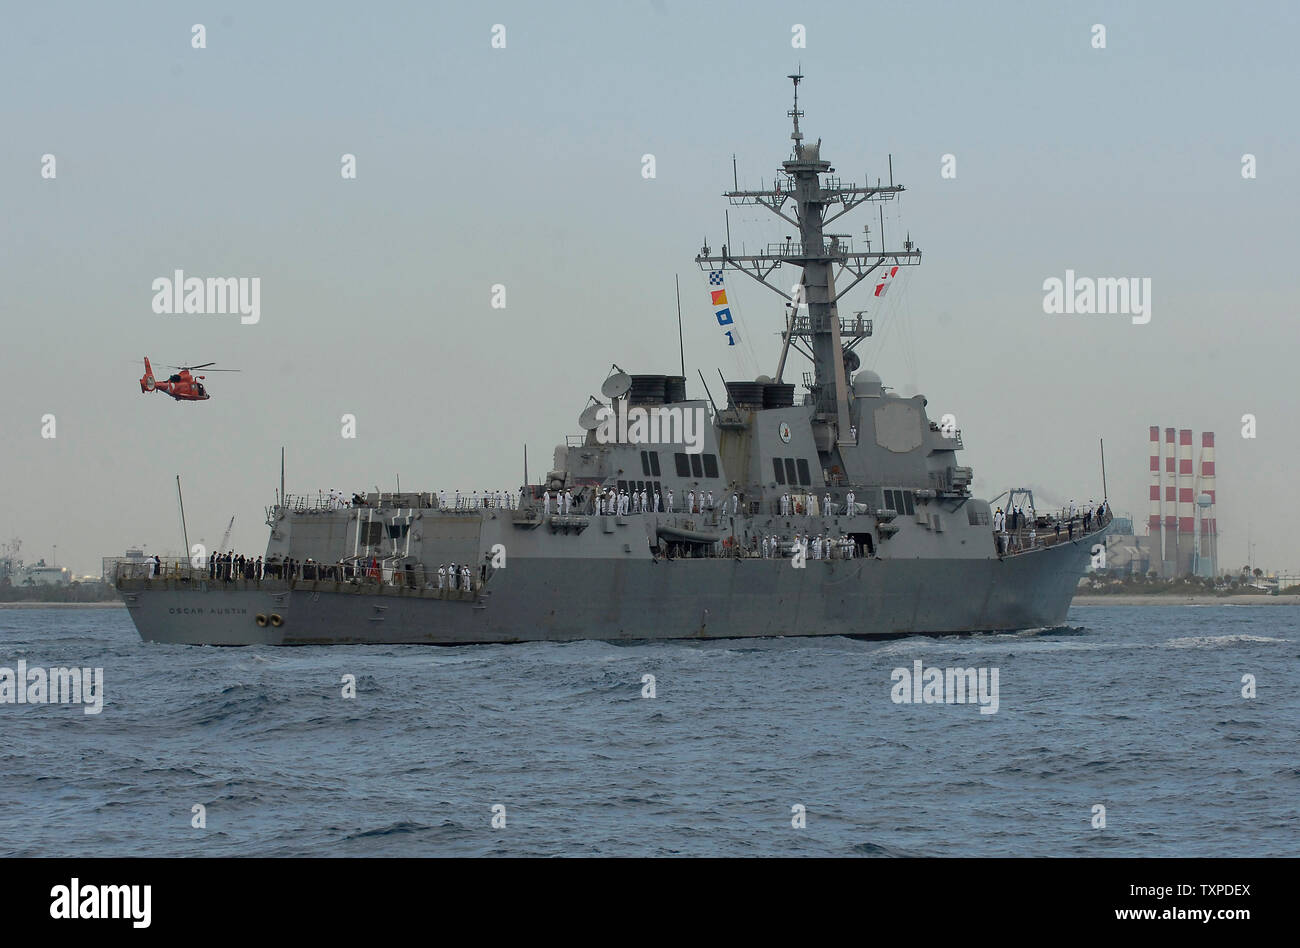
x=838 y=510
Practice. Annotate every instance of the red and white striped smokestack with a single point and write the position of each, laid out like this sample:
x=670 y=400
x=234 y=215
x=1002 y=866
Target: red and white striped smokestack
x=1171 y=495
x=1153 y=522
x=1186 y=502
x=1209 y=520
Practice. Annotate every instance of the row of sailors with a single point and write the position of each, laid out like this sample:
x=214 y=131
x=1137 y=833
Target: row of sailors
x=817 y=547
x=500 y=499
x=789 y=505
x=610 y=501
x=455 y=578
x=1021 y=517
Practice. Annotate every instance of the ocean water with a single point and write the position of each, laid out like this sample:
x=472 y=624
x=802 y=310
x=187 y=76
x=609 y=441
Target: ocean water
x=1136 y=709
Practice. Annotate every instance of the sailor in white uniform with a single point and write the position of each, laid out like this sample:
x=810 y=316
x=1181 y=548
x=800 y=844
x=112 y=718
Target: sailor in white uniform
x=851 y=500
x=658 y=508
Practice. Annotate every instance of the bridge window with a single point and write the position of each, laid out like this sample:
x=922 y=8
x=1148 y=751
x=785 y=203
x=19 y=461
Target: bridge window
x=654 y=463
x=790 y=476
x=683 y=465
x=804 y=477
x=645 y=462
x=696 y=467
x=710 y=465
x=779 y=470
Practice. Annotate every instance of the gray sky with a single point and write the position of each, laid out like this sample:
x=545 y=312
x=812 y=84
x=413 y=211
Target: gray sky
x=522 y=166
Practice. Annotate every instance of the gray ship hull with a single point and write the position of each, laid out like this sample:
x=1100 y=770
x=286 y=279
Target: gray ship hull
x=562 y=599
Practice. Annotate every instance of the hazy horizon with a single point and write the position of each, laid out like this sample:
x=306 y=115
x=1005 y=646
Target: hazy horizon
x=522 y=166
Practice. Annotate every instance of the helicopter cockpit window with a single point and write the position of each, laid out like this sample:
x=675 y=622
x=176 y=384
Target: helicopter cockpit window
x=174 y=378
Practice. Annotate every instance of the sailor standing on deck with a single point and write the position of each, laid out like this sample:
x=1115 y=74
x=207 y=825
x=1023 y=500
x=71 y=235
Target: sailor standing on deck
x=546 y=502
x=645 y=501
x=690 y=501
x=827 y=509
x=658 y=508
x=466 y=579
x=670 y=500
x=710 y=506
x=442 y=575
x=735 y=504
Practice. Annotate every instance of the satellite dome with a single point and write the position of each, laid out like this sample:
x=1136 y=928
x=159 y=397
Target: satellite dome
x=866 y=384
x=764 y=380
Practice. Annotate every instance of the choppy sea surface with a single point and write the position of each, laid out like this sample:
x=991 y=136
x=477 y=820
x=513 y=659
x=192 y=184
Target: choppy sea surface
x=1135 y=709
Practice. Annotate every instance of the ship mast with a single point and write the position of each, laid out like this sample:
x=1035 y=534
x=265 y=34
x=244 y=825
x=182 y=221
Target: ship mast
x=813 y=203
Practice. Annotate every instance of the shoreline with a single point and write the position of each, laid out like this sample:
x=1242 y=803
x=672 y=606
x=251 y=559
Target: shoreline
x=1170 y=599
x=106 y=604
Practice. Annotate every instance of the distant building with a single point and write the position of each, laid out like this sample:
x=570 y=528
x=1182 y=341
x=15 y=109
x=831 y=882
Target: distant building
x=1127 y=553
x=41 y=575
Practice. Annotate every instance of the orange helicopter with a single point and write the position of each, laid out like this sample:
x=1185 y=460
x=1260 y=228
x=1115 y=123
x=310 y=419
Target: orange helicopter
x=183 y=386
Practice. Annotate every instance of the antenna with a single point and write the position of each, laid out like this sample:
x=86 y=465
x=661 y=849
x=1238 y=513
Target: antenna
x=794 y=113
x=735 y=178
x=282 y=499
x=680 y=344
x=708 y=393
x=525 y=465
x=1103 y=471
x=185 y=534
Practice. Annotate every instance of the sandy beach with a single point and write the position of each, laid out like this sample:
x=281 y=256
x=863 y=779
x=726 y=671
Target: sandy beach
x=1137 y=599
